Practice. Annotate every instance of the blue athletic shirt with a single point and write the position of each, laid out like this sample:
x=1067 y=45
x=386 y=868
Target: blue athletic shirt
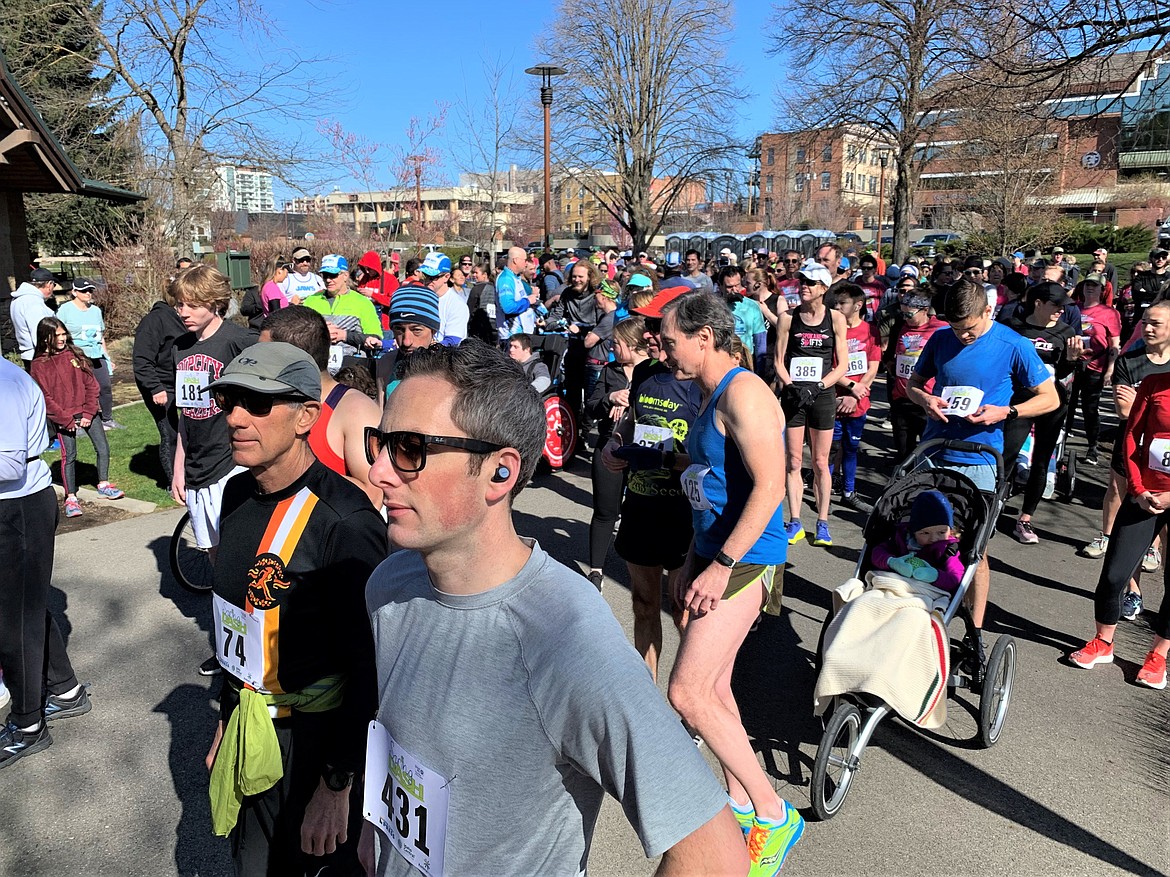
x=709 y=448
x=995 y=362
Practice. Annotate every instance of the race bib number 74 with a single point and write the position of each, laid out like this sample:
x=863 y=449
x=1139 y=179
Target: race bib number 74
x=406 y=801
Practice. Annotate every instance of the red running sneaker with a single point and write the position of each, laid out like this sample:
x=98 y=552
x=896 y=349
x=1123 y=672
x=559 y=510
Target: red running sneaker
x=1153 y=672
x=1096 y=651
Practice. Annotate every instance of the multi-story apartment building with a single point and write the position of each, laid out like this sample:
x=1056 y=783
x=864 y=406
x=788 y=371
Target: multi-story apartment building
x=576 y=209
x=829 y=178
x=243 y=188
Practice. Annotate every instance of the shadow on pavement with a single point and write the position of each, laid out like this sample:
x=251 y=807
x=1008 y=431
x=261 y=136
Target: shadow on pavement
x=194 y=606
x=192 y=718
x=58 y=607
x=980 y=787
x=557 y=536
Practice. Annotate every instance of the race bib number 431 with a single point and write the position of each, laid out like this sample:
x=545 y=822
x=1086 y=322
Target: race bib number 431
x=406 y=801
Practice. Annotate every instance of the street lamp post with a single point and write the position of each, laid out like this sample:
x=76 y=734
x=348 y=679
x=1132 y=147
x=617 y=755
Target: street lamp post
x=546 y=72
x=883 y=157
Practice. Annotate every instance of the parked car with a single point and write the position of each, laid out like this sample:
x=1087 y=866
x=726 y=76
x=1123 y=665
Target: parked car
x=849 y=236
x=935 y=240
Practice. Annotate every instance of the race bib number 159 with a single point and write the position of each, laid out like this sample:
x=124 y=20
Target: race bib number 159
x=962 y=401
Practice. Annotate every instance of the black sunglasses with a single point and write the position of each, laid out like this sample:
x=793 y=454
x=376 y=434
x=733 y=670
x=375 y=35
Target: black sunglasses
x=654 y=325
x=325 y=275
x=304 y=259
x=256 y=404
x=408 y=450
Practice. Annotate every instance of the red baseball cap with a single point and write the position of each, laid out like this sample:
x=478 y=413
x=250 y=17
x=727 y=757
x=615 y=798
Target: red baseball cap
x=664 y=297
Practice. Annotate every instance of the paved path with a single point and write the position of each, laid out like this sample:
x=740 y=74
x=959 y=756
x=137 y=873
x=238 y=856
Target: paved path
x=1079 y=783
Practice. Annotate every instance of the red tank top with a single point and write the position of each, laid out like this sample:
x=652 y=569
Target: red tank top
x=318 y=436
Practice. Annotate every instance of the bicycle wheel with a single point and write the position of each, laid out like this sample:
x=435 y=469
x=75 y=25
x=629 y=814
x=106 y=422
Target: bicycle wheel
x=189 y=563
x=997 y=690
x=560 y=440
x=836 y=762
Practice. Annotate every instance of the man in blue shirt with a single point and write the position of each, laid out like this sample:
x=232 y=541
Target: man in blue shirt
x=975 y=367
x=517 y=300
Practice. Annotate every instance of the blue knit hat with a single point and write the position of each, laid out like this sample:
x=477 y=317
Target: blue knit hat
x=931 y=509
x=415 y=304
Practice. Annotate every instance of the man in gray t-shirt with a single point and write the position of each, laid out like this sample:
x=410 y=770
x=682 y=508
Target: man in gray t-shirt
x=509 y=696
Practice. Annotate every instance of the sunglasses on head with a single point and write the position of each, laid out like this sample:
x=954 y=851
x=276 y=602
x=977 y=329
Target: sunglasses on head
x=408 y=450
x=256 y=404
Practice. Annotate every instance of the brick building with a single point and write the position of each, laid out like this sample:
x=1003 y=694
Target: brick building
x=1099 y=151
x=828 y=178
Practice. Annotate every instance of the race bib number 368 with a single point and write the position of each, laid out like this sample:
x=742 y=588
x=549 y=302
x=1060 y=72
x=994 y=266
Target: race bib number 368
x=406 y=801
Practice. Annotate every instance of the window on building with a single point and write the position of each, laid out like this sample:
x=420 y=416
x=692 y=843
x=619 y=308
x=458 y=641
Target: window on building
x=580 y=209
x=827 y=152
x=578 y=228
x=800 y=153
x=848 y=182
x=768 y=207
x=851 y=152
x=768 y=183
x=873 y=185
x=800 y=182
x=771 y=155
x=826 y=181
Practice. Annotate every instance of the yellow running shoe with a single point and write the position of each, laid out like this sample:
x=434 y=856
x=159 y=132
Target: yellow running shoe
x=770 y=842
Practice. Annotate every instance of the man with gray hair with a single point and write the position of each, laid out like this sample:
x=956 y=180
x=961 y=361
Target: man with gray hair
x=517 y=299
x=490 y=654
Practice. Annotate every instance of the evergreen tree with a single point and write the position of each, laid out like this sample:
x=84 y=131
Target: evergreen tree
x=52 y=54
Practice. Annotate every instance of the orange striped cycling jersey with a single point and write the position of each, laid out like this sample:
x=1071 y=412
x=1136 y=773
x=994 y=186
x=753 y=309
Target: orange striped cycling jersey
x=302 y=556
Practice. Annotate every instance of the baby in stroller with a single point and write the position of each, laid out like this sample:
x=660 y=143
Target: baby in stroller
x=924 y=548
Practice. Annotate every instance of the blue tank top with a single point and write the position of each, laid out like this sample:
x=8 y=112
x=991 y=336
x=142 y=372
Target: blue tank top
x=717 y=484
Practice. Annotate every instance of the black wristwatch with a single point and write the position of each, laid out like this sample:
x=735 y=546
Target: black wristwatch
x=1012 y=413
x=336 y=780
x=724 y=559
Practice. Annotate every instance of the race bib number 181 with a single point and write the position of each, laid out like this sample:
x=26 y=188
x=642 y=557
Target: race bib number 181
x=191 y=389
x=406 y=801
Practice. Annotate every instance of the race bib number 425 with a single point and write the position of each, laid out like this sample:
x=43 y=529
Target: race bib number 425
x=406 y=801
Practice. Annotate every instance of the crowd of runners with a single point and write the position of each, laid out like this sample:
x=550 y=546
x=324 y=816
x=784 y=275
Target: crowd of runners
x=389 y=647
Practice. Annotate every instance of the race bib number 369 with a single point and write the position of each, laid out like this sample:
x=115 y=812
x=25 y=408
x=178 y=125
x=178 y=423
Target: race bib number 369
x=406 y=801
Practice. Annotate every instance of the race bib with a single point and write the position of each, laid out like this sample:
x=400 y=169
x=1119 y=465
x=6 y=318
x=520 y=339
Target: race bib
x=191 y=389
x=239 y=641
x=858 y=364
x=793 y=299
x=962 y=401
x=692 y=485
x=806 y=368
x=1160 y=455
x=904 y=365
x=406 y=801
x=335 y=358
x=660 y=437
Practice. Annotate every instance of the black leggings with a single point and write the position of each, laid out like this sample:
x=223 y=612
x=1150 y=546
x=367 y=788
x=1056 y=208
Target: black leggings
x=1043 y=444
x=1086 y=389
x=1133 y=533
x=32 y=650
x=607 y=505
x=908 y=420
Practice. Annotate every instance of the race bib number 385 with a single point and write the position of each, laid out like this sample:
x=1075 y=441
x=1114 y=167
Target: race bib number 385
x=406 y=801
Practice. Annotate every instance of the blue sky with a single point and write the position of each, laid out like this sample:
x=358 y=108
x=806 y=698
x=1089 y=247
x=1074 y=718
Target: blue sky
x=398 y=57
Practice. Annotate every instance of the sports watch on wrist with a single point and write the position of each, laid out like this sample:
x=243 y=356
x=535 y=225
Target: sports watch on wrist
x=725 y=559
x=1012 y=413
x=336 y=780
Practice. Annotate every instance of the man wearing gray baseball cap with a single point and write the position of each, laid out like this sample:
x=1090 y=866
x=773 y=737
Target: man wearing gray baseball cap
x=298 y=542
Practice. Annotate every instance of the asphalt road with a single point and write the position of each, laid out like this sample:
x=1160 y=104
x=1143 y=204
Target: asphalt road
x=1078 y=784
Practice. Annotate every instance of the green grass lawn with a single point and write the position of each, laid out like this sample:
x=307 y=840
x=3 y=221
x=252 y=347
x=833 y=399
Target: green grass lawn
x=134 y=465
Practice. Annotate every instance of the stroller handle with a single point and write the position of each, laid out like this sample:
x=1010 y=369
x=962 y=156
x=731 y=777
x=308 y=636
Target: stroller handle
x=926 y=450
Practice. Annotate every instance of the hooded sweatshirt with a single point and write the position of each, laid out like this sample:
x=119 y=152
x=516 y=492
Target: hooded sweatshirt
x=28 y=309
x=379 y=287
x=154 y=342
x=69 y=386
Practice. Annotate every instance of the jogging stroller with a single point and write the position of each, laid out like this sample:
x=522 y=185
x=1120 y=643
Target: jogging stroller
x=561 y=431
x=853 y=717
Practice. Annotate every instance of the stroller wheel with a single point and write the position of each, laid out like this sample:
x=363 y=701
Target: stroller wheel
x=997 y=690
x=836 y=761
